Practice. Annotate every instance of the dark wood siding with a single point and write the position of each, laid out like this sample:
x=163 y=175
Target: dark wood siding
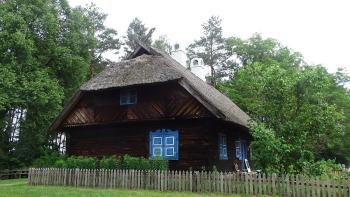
x=156 y=102
x=198 y=141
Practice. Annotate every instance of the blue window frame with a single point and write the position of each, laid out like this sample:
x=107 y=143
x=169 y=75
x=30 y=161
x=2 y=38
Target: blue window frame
x=223 y=147
x=164 y=143
x=128 y=97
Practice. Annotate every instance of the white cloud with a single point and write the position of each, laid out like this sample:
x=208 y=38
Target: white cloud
x=318 y=29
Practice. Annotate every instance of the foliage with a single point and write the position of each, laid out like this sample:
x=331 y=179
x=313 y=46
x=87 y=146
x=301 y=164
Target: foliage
x=111 y=162
x=101 y=38
x=210 y=47
x=257 y=49
x=46 y=48
x=158 y=164
x=266 y=148
x=136 y=30
x=140 y=163
x=298 y=109
x=322 y=167
x=163 y=44
x=81 y=162
x=50 y=160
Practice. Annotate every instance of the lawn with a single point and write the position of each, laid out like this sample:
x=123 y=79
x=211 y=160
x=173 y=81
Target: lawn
x=19 y=187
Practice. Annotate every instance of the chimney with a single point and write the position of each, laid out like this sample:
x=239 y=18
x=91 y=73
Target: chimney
x=197 y=65
x=198 y=68
x=179 y=55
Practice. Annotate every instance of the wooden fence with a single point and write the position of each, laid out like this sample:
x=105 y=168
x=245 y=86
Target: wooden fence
x=13 y=174
x=228 y=183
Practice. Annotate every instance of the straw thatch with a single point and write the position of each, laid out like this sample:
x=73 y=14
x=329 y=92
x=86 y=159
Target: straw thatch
x=148 y=65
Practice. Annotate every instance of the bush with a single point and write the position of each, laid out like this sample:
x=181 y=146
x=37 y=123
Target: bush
x=140 y=163
x=130 y=162
x=61 y=163
x=81 y=162
x=322 y=167
x=158 y=164
x=111 y=162
x=48 y=160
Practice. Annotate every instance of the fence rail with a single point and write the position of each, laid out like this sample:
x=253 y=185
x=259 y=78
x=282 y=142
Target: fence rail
x=229 y=183
x=13 y=174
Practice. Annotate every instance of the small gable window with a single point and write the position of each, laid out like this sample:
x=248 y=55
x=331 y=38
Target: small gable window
x=222 y=147
x=128 y=97
x=164 y=143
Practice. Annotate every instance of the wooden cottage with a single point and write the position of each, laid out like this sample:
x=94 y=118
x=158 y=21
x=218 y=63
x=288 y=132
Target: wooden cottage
x=149 y=105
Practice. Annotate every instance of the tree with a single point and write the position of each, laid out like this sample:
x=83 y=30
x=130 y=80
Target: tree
x=163 y=44
x=136 y=30
x=102 y=39
x=303 y=105
x=211 y=47
x=257 y=49
x=45 y=52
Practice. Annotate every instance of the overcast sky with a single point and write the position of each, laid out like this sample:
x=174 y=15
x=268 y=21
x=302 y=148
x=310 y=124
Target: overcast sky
x=319 y=29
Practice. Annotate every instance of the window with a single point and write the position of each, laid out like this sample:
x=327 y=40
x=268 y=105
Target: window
x=222 y=147
x=164 y=143
x=128 y=97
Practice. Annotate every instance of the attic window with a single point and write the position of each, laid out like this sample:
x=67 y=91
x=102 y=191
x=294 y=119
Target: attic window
x=128 y=97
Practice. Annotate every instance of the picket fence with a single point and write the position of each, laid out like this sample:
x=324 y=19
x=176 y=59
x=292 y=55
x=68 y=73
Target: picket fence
x=194 y=181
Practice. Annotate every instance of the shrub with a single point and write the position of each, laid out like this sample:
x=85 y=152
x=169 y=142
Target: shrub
x=47 y=160
x=81 y=162
x=158 y=164
x=145 y=164
x=130 y=162
x=322 y=167
x=61 y=163
x=111 y=162
x=140 y=163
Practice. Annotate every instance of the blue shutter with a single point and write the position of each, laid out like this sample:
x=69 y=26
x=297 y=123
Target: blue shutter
x=171 y=145
x=244 y=150
x=164 y=143
x=244 y=153
x=238 y=150
x=222 y=147
x=156 y=144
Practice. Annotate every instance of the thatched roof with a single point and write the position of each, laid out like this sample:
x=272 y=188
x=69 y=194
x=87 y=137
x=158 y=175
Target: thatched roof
x=148 y=65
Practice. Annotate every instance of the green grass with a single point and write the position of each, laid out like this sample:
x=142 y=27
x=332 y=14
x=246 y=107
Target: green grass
x=19 y=187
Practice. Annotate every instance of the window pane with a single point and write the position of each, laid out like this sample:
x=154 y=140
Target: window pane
x=157 y=140
x=123 y=100
x=169 y=152
x=157 y=152
x=132 y=99
x=169 y=141
x=128 y=97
